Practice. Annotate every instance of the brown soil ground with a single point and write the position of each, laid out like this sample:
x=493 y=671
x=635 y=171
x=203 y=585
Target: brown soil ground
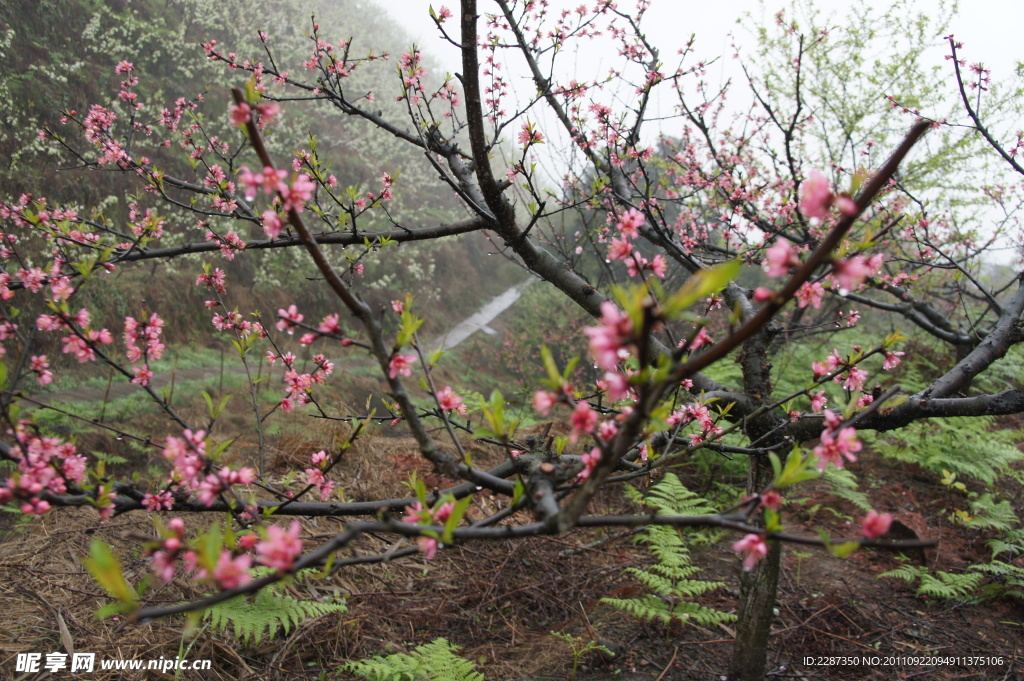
x=501 y=601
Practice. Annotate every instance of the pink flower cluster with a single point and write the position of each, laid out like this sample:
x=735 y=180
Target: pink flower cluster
x=849 y=274
x=214 y=281
x=875 y=524
x=288 y=319
x=752 y=548
x=400 y=364
x=297 y=386
x=265 y=113
x=281 y=547
x=621 y=247
x=610 y=342
x=816 y=198
x=278 y=550
x=780 y=258
x=700 y=413
x=44 y=465
x=142 y=341
x=293 y=196
x=186 y=455
x=315 y=476
x=451 y=401
x=529 y=135
x=416 y=514
x=837 y=446
x=589 y=460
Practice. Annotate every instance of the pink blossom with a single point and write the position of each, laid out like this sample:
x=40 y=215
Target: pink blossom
x=142 y=375
x=855 y=379
x=267 y=111
x=615 y=385
x=159 y=501
x=281 y=547
x=272 y=223
x=892 y=360
x=780 y=258
x=444 y=13
x=315 y=478
x=289 y=318
x=232 y=572
x=700 y=340
x=529 y=135
x=850 y=273
x=834 y=448
x=40 y=365
x=818 y=401
x=608 y=341
x=810 y=294
x=607 y=430
x=543 y=401
x=239 y=114
x=874 y=524
x=589 y=460
x=772 y=499
x=815 y=196
x=752 y=548
x=658 y=266
x=846 y=205
x=630 y=222
x=619 y=249
x=298 y=193
x=163 y=565
x=583 y=420
x=400 y=364
x=449 y=400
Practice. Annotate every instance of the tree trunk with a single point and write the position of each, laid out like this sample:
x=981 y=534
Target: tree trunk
x=757 y=587
x=757 y=598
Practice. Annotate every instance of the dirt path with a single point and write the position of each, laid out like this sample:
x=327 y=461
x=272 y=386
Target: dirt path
x=457 y=334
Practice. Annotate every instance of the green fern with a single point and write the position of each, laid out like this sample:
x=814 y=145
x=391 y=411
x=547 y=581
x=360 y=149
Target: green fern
x=844 y=486
x=435 y=661
x=260 y=616
x=108 y=458
x=1011 y=543
x=968 y=446
x=670 y=578
x=946 y=586
x=992 y=515
x=1007 y=579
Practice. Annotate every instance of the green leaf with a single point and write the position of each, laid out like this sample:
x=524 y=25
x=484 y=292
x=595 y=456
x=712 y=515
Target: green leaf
x=700 y=286
x=518 y=491
x=798 y=469
x=105 y=568
x=455 y=518
x=842 y=550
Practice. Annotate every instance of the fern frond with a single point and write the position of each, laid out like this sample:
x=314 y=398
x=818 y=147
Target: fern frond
x=671 y=497
x=844 y=485
x=1011 y=543
x=992 y=515
x=434 y=661
x=260 y=616
x=670 y=578
x=945 y=586
x=651 y=607
x=968 y=446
